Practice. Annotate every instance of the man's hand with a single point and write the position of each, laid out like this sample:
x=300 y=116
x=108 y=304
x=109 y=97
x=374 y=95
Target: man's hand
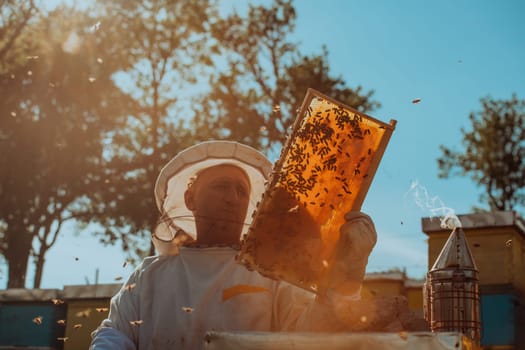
x=356 y=241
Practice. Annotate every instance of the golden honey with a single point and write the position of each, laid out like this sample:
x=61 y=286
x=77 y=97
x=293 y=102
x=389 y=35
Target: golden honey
x=324 y=171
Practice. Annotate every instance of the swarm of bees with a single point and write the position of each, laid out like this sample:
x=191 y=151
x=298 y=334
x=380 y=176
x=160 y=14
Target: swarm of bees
x=324 y=171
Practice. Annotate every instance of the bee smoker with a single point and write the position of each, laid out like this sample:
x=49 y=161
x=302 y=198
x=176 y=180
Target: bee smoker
x=451 y=297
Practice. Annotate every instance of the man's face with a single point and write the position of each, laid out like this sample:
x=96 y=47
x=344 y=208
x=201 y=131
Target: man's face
x=219 y=200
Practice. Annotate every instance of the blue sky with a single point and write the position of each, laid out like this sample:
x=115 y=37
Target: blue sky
x=447 y=53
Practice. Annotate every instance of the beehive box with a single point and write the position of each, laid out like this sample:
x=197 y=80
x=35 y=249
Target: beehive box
x=28 y=318
x=87 y=306
x=324 y=171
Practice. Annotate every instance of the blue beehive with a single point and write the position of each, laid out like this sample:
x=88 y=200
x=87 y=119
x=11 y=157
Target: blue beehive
x=28 y=318
x=502 y=314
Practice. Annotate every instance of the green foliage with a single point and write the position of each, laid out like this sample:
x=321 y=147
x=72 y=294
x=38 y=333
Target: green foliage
x=166 y=44
x=493 y=154
x=58 y=105
x=96 y=101
x=15 y=17
x=255 y=97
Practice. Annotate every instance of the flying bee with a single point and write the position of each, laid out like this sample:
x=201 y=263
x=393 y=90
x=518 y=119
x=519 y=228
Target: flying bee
x=83 y=313
x=102 y=309
x=136 y=323
x=38 y=320
x=77 y=326
x=129 y=287
x=187 y=309
x=57 y=301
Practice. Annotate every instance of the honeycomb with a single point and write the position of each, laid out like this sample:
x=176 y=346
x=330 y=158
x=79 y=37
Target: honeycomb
x=324 y=171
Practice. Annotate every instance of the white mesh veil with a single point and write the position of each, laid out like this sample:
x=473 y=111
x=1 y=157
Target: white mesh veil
x=177 y=222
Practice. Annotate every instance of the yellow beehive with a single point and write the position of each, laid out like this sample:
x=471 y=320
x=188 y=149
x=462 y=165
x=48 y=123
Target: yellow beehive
x=497 y=243
x=87 y=306
x=392 y=283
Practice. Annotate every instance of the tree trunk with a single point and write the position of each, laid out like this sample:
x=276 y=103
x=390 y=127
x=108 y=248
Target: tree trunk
x=39 y=268
x=17 y=254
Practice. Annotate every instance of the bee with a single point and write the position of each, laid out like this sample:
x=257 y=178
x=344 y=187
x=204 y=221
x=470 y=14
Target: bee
x=77 y=326
x=187 y=309
x=63 y=339
x=129 y=287
x=294 y=209
x=57 y=301
x=118 y=278
x=38 y=320
x=61 y=322
x=416 y=100
x=102 y=309
x=83 y=313
x=136 y=323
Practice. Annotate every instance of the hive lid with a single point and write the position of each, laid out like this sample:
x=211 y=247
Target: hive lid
x=455 y=253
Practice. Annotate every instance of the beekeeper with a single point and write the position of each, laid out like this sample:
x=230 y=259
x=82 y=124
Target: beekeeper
x=195 y=285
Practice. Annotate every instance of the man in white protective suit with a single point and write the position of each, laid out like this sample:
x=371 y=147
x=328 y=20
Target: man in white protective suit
x=194 y=284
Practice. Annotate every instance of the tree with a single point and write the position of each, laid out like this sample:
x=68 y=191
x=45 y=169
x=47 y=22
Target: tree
x=493 y=154
x=167 y=44
x=58 y=106
x=15 y=17
x=255 y=98
x=175 y=45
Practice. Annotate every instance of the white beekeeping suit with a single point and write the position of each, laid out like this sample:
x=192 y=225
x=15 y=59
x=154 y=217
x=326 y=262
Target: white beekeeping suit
x=172 y=300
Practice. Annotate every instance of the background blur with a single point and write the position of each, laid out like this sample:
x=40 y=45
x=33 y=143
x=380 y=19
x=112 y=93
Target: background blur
x=97 y=96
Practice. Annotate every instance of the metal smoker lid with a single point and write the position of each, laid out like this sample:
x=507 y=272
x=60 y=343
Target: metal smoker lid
x=455 y=253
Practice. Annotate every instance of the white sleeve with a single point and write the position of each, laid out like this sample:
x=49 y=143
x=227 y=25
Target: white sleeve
x=118 y=331
x=107 y=338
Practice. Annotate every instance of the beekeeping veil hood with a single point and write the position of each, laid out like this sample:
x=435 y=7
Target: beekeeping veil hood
x=177 y=222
